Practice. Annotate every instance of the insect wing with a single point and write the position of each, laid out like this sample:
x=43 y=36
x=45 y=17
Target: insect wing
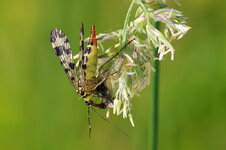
x=62 y=49
x=81 y=57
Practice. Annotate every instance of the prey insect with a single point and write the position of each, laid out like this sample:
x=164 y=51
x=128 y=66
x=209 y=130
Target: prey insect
x=83 y=75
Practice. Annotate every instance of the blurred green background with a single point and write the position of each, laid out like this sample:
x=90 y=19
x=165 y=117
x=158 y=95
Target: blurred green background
x=40 y=111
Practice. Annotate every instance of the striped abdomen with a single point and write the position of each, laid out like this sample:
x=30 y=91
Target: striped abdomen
x=90 y=56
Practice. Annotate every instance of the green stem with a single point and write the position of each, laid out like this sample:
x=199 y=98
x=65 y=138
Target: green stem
x=154 y=114
x=155 y=86
x=124 y=35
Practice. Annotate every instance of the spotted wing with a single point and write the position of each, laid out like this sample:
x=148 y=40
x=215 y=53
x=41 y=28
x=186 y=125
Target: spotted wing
x=62 y=49
x=81 y=57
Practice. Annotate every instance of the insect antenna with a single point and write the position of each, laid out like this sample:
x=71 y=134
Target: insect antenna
x=110 y=123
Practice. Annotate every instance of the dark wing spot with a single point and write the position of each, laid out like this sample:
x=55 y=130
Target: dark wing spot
x=56 y=33
x=88 y=50
x=66 y=41
x=72 y=65
x=52 y=40
x=62 y=62
x=66 y=70
x=58 y=50
x=72 y=78
x=67 y=51
x=53 y=34
x=61 y=35
x=84 y=66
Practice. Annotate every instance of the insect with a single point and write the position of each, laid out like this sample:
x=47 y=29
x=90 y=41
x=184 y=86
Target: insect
x=87 y=80
x=83 y=75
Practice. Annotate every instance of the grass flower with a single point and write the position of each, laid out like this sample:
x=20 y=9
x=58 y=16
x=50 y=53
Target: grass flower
x=133 y=65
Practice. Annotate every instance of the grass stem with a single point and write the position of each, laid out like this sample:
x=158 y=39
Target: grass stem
x=155 y=100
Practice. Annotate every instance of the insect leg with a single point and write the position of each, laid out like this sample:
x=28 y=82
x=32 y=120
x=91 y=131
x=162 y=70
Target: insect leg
x=89 y=123
x=123 y=47
x=110 y=123
x=91 y=103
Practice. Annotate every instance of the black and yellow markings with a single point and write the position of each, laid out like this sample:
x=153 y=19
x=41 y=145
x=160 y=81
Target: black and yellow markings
x=88 y=50
x=62 y=49
x=84 y=75
x=90 y=56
